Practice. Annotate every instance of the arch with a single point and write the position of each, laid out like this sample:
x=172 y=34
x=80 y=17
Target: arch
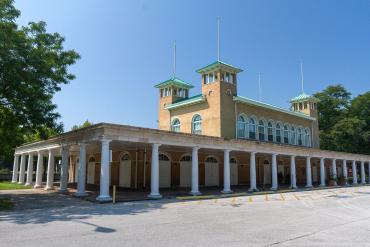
x=292 y=135
x=299 y=137
x=286 y=134
x=262 y=130
x=211 y=159
x=90 y=178
x=270 y=131
x=124 y=179
x=125 y=156
x=211 y=171
x=175 y=125
x=164 y=156
x=266 y=162
x=242 y=125
x=186 y=157
x=307 y=137
x=233 y=160
x=164 y=170
x=233 y=171
x=252 y=130
x=278 y=132
x=185 y=170
x=196 y=124
x=92 y=158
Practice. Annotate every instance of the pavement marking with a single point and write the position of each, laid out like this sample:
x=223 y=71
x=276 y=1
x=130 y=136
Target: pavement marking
x=282 y=197
x=266 y=197
x=250 y=199
x=296 y=197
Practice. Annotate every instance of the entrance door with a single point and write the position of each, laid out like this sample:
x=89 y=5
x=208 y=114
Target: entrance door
x=233 y=172
x=314 y=174
x=266 y=173
x=185 y=171
x=164 y=171
x=211 y=172
x=91 y=171
x=125 y=171
x=281 y=173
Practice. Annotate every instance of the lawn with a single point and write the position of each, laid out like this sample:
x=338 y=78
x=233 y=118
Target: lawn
x=4 y=185
x=5 y=204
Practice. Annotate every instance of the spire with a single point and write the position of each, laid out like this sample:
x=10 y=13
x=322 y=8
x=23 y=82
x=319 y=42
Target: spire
x=174 y=59
x=218 y=38
x=302 y=81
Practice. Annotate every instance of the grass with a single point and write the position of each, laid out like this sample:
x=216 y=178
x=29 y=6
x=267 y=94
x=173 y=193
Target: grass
x=5 y=185
x=5 y=204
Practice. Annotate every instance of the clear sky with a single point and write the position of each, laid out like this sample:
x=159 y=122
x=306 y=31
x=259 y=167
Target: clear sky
x=126 y=48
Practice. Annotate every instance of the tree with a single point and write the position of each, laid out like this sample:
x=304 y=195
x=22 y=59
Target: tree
x=84 y=125
x=33 y=66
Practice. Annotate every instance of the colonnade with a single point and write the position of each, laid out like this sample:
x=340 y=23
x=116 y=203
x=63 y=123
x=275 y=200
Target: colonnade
x=20 y=164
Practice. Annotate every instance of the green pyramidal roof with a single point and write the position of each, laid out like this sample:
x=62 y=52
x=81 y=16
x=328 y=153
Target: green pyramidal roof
x=219 y=64
x=174 y=81
x=304 y=97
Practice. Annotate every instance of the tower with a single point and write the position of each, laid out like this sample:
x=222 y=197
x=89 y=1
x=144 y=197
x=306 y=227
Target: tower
x=306 y=104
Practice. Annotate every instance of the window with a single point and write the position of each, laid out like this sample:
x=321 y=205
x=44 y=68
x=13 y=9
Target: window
x=252 y=128
x=211 y=160
x=197 y=125
x=305 y=105
x=286 y=134
x=270 y=132
x=307 y=139
x=233 y=160
x=278 y=133
x=125 y=157
x=163 y=157
x=261 y=130
x=292 y=136
x=242 y=126
x=209 y=78
x=162 y=93
x=234 y=78
x=186 y=158
x=175 y=125
x=91 y=159
x=181 y=93
x=299 y=137
x=300 y=106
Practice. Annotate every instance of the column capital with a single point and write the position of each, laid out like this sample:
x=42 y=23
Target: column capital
x=156 y=144
x=195 y=148
x=227 y=150
x=275 y=154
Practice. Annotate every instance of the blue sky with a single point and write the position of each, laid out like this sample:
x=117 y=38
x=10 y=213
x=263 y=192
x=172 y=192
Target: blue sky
x=126 y=48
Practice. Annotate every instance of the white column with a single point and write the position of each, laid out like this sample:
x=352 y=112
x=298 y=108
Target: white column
x=15 y=168
x=22 y=169
x=30 y=169
x=252 y=172
x=194 y=172
x=226 y=189
x=345 y=172
x=293 y=175
x=39 y=170
x=334 y=170
x=154 y=183
x=322 y=172
x=104 y=172
x=274 y=176
x=354 y=172
x=82 y=172
x=308 y=173
x=363 y=180
x=64 y=170
x=50 y=175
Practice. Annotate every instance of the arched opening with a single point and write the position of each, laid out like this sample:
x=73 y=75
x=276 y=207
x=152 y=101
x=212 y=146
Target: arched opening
x=266 y=173
x=300 y=141
x=270 y=132
x=261 y=130
x=196 y=126
x=175 y=125
x=286 y=134
x=125 y=170
x=91 y=171
x=242 y=127
x=233 y=171
x=278 y=133
x=211 y=171
x=185 y=170
x=164 y=171
x=292 y=136
x=252 y=128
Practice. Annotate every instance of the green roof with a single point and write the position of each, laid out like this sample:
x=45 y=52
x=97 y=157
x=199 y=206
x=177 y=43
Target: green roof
x=304 y=97
x=174 y=81
x=185 y=102
x=218 y=64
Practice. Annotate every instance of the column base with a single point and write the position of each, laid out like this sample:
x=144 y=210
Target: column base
x=14 y=182
x=48 y=188
x=274 y=189
x=28 y=184
x=20 y=182
x=293 y=187
x=195 y=193
x=155 y=196
x=253 y=190
x=308 y=186
x=63 y=190
x=37 y=186
x=103 y=198
x=322 y=185
x=80 y=194
x=226 y=191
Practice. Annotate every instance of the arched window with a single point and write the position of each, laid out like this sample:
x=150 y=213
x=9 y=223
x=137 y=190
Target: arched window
x=278 y=133
x=91 y=159
x=270 y=132
x=292 y=136
x=211 y=159
x=261 y=130
x=163 y=157
x=233 y=160
x=252 y=128
x=286 y=134
x=175 y=125
x=186 y=158
x=197 y=125
x=125 y=156
x=307 y=139
x=300 y=137
x=242 y=126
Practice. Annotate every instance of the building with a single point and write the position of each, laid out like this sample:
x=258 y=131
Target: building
x=215 y=139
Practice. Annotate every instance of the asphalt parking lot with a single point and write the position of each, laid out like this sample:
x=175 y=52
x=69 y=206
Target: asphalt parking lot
x=332 y=217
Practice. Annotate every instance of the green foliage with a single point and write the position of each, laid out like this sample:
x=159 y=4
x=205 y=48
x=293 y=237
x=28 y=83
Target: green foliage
x=84 y=125
x=13 y=186
x=33 y=66
x=344 y=123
